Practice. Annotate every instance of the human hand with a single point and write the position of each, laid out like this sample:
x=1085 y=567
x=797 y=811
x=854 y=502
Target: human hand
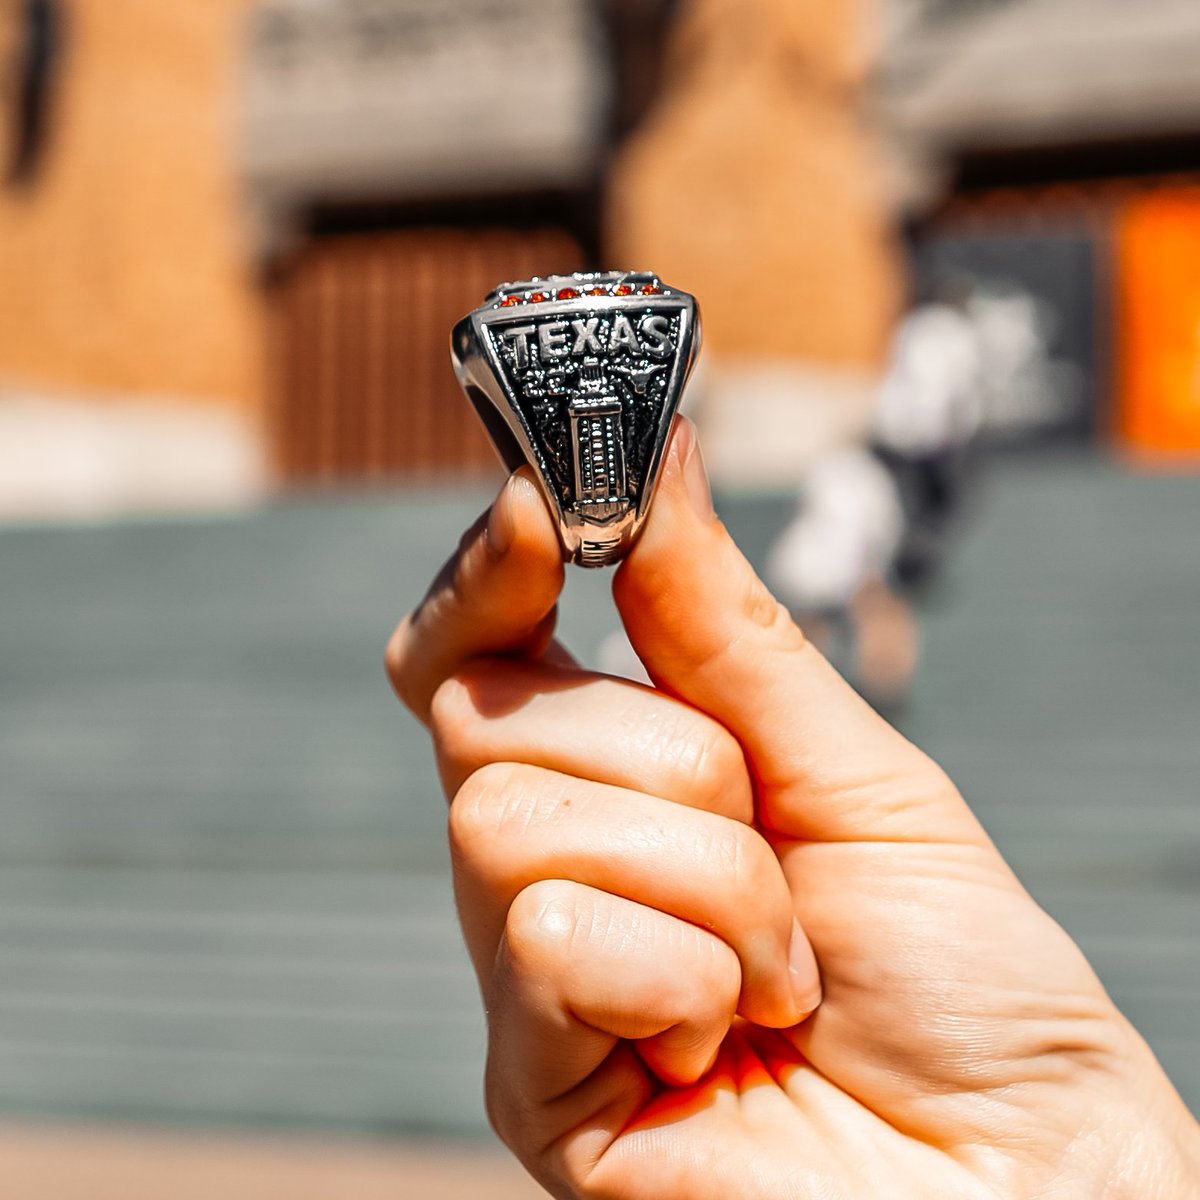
x=643 y=877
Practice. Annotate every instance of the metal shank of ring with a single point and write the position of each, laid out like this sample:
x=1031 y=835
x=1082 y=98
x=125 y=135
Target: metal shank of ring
x=580 y=376
x=601 y=554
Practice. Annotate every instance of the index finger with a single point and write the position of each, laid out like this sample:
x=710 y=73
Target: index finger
x=495 y=595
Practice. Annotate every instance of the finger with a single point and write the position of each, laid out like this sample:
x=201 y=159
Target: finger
x=590 y=726
x=825 y=766
x=514 y=825
x=495 y=595
x=577 y=971
x=579 y=968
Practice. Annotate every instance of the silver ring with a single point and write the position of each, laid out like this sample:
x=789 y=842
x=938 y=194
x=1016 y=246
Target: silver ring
x=580 y=376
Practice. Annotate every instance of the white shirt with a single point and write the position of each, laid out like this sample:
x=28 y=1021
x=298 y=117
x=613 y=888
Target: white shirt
x=931 y=397
x=847 y=528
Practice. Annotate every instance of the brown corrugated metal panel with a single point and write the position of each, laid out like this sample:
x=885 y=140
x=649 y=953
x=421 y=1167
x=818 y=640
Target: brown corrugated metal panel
x=360 y=371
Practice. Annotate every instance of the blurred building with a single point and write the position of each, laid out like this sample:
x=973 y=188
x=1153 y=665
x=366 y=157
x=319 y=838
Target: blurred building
x=234 y=234
x=407 y=155
x=124 y=263
x=758 y=182
x=129 y=324
x=1049 y=149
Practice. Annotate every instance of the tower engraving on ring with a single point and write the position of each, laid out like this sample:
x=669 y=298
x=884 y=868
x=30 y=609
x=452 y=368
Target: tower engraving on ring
x=584 y=374
x=597 y=443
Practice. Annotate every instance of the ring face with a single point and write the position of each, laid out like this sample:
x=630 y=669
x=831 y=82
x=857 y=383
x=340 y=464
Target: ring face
x=580 y=376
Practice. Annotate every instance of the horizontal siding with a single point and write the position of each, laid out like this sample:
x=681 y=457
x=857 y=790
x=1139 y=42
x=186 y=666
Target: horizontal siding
x=224 y=889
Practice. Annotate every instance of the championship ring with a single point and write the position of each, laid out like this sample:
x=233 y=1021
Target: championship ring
x=580 y=376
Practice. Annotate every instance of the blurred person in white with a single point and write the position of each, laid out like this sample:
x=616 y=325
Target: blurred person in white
x=872 y=525
x=930 y=408
x=737 y=938
x=831 y=567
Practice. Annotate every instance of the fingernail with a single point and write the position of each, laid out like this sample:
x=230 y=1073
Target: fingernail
x=802 y=967
x=501 y=524
x=686 y=446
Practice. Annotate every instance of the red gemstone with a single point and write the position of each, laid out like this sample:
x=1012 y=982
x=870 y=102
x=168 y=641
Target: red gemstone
x=597 y=291
x=650 y=289
x=539 y=297
x=509 y=301
x=622 y=289
x=567 y=294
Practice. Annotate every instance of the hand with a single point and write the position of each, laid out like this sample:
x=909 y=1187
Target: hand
x=648 y=879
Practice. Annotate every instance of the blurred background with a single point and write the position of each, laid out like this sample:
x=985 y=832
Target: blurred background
x=948 y=255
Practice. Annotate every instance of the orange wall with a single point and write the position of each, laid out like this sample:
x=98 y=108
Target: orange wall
x=1158 y=256
x=757 y=183
x=123 y=266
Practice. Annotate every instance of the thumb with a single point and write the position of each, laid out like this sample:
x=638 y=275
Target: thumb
x=495 y=595
x=826 y=767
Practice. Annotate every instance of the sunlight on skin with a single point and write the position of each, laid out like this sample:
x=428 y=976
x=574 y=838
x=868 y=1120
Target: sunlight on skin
x=763 y=1087
x=648 y=878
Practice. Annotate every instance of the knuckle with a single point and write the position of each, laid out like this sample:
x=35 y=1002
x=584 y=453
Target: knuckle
x=716 y=766
x=503 y=801
x=670 y=740
x=726 y=759
x=694 y=760
x=477 y=811
x=707 y=987
x=543 y=922
x=463 y=702
x=696 y=781
x=725 y=849
x=746 y=862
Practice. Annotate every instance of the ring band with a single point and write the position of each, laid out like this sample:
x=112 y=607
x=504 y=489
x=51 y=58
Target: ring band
x=580 y=376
